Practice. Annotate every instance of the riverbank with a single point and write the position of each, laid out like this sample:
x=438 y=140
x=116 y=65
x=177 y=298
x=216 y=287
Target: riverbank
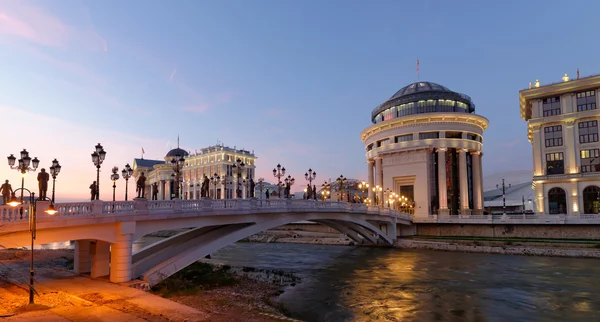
x=199 y=293
x=299 y=237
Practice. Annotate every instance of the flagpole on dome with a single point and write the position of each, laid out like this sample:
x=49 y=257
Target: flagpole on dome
x=418 y=65
x=143 y=153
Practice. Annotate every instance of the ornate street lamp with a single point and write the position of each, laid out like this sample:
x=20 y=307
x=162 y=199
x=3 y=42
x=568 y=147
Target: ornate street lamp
x=341 y=181
x=279 y=172
x=325 y=190
x=260 y=184
x=126 y=174
x=289 y=181
x=97 y=158
x=362 y=187
x=310 y=176
x=23 y=167
x=215 y=180
x=503 y=196
x=377 y=189
x=32 y=228
x=114 y=177
x=238 y=168
x=54 y=171
x=177 y=162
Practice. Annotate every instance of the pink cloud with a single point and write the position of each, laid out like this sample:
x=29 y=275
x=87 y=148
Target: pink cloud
x=200 y=108
x=172 y=75
x=21 y=20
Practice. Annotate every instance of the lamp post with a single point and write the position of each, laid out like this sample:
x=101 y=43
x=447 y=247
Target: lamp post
x=126 y=174
x=279 y=172
x=387 y=196
x=215 y=180
x=377 y=189
x=289 y=181
x=32 y=228
x=177 y=163
x=114 y=177
x=54 y=171
x=238 y=168
x=23 y=167
x=325 y=190
x=260 y=184
x=310 y=176
x=503 y=196
x=362 y=187
x=341 y=180
x=97 y=158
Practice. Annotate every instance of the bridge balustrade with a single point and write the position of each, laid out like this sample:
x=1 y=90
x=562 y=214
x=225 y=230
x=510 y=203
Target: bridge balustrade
x=8 y=213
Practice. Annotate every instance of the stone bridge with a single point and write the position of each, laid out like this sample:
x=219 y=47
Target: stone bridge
x=105 y=231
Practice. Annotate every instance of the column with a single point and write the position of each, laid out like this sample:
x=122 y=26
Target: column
x=537 y=144
x=120 y=255
x=244 y=190
x=477 y=181
x=442 y=189
x=571 y=147
x=379 y=171
x=100 y=259
x=161 y=190
x=540 y=200
x=462 y=172
x=81 y=259
x=370 y=179
x=223 y=188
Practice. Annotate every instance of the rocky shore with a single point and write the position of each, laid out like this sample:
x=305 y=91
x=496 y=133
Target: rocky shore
x=299 y=237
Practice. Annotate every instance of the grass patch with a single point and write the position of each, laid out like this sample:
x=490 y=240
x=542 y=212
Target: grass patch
x=194 y=278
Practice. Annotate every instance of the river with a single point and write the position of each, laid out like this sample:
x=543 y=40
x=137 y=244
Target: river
x=341 y=283
x=365 y=284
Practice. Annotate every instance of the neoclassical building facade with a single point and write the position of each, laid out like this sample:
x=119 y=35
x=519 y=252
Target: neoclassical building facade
x=218 y=159
x=425 y=144
x=562 y=123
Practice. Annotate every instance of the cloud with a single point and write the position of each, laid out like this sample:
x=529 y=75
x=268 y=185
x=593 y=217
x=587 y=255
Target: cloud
x=172 y=75
x=200 y=108
x=25 y=21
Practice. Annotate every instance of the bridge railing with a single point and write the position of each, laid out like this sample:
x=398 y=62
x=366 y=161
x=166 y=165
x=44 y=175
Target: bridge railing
x=511 y=219
x=101 y=208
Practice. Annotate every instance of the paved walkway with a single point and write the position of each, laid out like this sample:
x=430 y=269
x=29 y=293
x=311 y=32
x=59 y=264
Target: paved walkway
x=99 y=300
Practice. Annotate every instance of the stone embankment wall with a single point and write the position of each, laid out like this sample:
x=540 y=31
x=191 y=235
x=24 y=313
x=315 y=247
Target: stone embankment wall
x=506 y=250
x=511 y=231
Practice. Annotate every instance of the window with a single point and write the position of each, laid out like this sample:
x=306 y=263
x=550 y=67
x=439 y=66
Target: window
x=555 y=163
x=553 y=135
x=551 y=106
x=403 y=138
x=588 y=131
x=429 y=135
x=586 y=101
x=473 y=137
x=590 y=160
x=453 y=135
x=382 y=142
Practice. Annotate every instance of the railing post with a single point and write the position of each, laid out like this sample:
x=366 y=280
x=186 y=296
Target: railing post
x=97 y=206
x=140 y=205
x=206 y=204
x=176 y=204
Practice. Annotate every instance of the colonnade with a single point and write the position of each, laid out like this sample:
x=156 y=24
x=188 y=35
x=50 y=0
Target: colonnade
x=375 y=170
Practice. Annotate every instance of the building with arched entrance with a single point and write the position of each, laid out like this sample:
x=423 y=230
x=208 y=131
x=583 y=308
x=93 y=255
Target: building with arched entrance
x=562 y=123
x=425 y=145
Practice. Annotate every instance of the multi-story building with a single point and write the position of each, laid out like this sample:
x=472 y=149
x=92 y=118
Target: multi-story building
x=212 y=162
x=563 y=130
x=425 y=144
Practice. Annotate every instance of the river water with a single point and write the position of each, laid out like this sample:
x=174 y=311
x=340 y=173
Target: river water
x=366 y=284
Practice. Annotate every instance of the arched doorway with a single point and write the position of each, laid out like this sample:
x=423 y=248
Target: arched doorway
x=591 y=200
x=557 y=201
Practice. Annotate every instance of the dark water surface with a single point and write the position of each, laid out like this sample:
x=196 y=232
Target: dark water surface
x=380 y=284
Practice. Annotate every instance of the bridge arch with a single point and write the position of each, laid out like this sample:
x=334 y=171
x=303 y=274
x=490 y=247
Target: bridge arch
x=158 y=261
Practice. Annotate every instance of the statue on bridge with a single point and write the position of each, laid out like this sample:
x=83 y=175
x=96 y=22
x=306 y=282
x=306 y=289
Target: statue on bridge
x=141 y=186
x=155 y=191
x=93 y=190
x=252 y=185
x=205 y=186
x=43 y=178
x=287 y=189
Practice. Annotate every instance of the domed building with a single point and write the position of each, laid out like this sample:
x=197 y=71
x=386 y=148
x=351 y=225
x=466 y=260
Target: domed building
x=425 y=145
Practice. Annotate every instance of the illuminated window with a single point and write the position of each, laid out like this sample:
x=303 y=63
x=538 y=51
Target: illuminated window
x=590 y=160
x=555 y=163
x=553 y=135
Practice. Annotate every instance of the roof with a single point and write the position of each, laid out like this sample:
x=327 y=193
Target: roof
x=420 y=91
x=177 y=152
x=144 y=163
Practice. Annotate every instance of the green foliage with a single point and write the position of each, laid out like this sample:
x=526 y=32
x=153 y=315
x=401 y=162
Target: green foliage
x=194 y=278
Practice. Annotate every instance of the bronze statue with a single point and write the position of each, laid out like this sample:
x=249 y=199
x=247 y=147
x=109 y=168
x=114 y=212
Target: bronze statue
x=141 y=186
x=205 y=187
x=314 y=191
x=155 y=191
x=93 y=190
x=6 y=190
x=43 y=178
x=252 y=185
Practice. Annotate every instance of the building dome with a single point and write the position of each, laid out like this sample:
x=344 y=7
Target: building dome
x=422 y=97
x=177 y=152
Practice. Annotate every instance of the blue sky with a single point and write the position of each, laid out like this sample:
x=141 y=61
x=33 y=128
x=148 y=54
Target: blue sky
x=295 y=81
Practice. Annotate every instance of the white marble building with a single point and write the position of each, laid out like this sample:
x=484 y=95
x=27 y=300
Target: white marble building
x=425 y=144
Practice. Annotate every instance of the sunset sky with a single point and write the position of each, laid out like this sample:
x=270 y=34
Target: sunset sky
x=295 y=81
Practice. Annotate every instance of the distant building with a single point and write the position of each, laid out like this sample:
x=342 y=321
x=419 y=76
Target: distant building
x=425 y=143
x=209 y=161
x=517 y=198
x=563 y=130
